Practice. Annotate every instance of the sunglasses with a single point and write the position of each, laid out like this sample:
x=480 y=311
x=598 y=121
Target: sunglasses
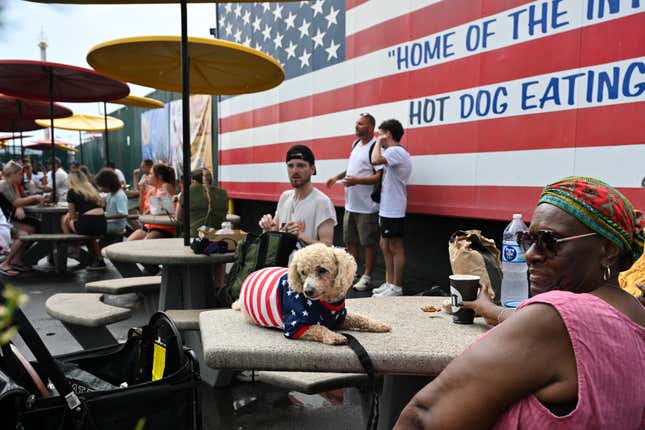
x=546 y=241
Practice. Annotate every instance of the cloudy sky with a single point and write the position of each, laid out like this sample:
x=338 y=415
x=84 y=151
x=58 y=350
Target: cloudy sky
x=72 y=30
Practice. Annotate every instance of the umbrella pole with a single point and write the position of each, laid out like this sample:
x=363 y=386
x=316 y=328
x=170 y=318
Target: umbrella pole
x=7 y=150
x=185 y=105
x=80 y=144
x=22 y=149
x=51 y=128
x=107 y=146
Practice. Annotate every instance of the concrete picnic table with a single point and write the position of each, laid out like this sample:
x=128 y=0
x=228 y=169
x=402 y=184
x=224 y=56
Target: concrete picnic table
x=50 y=216
x=188 y=280
x=185 y=275
x=419 y=347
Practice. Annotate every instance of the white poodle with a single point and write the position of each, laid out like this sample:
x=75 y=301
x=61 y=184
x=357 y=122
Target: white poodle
x=307 y=300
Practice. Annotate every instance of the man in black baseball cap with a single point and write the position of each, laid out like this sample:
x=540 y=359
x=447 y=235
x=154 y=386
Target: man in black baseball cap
x=301 y=152
x=304 y=210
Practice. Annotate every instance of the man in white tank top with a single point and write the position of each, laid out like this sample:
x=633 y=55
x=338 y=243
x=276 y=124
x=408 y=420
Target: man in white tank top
x=360 y=222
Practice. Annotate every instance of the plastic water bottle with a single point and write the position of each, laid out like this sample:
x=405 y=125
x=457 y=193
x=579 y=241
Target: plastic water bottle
x=227 y=228
x=515 y=284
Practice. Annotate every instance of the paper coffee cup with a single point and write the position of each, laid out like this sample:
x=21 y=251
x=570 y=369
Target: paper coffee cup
x=463 y=288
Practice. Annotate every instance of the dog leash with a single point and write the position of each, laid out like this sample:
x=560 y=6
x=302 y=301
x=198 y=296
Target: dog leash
x=366 y=362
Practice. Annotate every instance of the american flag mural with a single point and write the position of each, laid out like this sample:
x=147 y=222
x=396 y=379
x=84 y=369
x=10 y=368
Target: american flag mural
x=498 y=97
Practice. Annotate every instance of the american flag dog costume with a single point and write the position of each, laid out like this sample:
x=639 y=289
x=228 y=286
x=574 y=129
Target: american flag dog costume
x=267 y=299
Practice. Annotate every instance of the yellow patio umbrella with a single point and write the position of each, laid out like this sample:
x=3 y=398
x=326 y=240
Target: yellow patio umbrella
x=217 y=67
x=140 y=102
x=84 y=122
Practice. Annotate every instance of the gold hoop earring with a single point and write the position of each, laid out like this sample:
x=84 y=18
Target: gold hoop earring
x=606 y=273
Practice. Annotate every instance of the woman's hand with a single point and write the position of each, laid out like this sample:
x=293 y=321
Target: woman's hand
x=20 y=213
x=484 y=306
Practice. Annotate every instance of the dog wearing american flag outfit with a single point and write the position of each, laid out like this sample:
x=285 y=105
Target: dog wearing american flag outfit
x=307 y=300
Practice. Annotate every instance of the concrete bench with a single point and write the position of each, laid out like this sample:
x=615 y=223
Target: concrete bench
x=185 y=319
x=86 y=316
x=303 y=382
x=141 y=286
x=57 y=242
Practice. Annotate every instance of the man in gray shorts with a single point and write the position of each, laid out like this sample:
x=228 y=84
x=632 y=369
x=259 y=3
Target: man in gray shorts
x=360 y=223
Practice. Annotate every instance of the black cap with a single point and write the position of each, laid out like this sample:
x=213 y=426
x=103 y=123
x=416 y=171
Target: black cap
x=300 y=152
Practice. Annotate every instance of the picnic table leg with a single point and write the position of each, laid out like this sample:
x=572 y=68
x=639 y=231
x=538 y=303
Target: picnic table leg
x=60 y=259
x=398 y=390
x=194 y=283
x=198 y=280
x=170 y=291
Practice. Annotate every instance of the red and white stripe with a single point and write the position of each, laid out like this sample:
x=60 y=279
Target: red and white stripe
x=260 y=299
x=486 y=168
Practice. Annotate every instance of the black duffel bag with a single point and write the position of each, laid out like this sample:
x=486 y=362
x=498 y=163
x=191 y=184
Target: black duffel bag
x=150 y=378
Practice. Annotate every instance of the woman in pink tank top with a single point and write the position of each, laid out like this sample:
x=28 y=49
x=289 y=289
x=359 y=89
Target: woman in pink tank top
x=572 y=356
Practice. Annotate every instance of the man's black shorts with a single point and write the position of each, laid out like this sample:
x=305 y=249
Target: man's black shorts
x=391 y=227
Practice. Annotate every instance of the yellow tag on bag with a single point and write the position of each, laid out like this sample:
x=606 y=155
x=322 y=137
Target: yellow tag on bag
x=158 y=360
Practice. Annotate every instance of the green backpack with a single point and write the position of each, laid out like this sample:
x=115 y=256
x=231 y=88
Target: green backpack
x=269 y=249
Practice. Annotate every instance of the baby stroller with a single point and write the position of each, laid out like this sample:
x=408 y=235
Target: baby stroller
x=149 y=379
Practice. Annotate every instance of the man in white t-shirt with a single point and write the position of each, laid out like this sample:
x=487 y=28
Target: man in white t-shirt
x=394 y=200
x=61 y=180
x=360 y=222
x=304 y=210
x=119 y=173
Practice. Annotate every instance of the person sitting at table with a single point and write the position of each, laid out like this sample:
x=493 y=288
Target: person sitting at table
x=162 y=185
x=61 y=180
x=116 y=207
x=119 y=173
x=570 y=357
x=13 y=203
x=30 y=183
x=208 y=204
x=85 y=214
x=90 y=177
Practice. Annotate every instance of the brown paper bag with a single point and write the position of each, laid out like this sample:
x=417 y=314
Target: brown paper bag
x=473 y=254
x=635 y=275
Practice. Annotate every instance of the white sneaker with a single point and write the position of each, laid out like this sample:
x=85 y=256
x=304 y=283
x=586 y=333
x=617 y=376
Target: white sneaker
x=380 y=288
x=391 y=291
x=363 y=283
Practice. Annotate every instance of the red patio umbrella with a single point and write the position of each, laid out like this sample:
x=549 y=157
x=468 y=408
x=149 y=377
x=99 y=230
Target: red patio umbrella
x=44 y=145
x=4 y=137
x=42 y=80
x=18 y=114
